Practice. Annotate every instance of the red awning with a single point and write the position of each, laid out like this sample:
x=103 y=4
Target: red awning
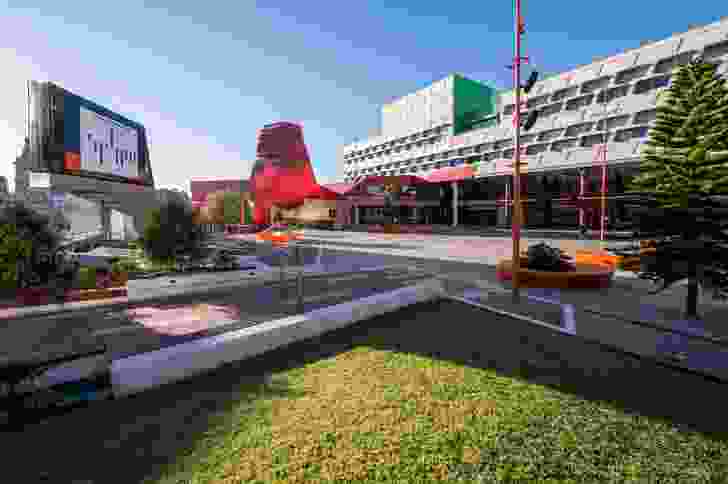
x=454 y=173
x=381 y=179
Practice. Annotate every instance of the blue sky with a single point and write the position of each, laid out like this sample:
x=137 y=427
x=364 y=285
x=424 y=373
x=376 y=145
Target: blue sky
x=203 y=76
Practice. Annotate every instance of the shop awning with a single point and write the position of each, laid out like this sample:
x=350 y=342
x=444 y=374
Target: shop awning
x=451 y=173
x=399 y=179
x=331 y=191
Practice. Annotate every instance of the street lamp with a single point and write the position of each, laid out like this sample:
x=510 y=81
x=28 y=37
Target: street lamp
x=529 y=121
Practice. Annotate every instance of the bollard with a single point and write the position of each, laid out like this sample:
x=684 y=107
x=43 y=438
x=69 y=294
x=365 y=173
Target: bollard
x=299 y=292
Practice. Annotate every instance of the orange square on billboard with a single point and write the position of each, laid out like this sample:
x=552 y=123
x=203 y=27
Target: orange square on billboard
x=72 y=161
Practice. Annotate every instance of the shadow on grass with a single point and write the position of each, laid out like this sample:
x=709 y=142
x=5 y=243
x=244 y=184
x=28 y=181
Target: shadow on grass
x=134 y=439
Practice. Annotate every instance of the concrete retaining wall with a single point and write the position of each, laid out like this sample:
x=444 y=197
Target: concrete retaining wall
x=148 y=370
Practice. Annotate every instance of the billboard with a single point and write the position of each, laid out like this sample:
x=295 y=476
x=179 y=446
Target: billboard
x=108 y=146
x=74 y=136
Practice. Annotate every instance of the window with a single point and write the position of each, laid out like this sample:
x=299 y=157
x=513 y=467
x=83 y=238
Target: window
x=645 y=117
x=612 y=123
x=611 y=94
x=504 y=143
x=527 y=138
x=490 y=156
x=508 y=110
x=550 y=135
x=562 y=94
x=579 y=103
x=550 y=110
x=653 y=83
x=631 y=74
x=591 y=140
x=630 y=134
x=667 y=65
x=536 y=149
x=537 y=101
x=715 y=51
x=595 y=85
x=578 y=129
x=564 y=144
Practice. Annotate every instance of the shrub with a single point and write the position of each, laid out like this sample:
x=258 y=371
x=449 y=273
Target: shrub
x=87 y=277
x=125 y=265
x=171 y=231
x=542 y=257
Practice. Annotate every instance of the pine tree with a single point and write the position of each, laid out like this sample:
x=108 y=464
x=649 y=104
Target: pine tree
x=687 y=149
x=684 y=163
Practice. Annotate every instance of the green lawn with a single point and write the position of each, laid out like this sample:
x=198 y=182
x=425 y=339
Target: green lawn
x=367 y=404
x=371 y=415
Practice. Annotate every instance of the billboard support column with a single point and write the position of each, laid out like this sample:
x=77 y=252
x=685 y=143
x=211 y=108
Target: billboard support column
x=105 y=220
x=455 y=203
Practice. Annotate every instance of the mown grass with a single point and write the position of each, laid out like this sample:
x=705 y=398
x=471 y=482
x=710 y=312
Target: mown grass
x=374 y=415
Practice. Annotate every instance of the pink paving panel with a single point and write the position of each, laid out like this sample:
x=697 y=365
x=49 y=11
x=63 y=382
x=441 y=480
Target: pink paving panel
x=183 y=320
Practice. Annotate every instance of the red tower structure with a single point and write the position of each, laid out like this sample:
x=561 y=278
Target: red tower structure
x=282 y=174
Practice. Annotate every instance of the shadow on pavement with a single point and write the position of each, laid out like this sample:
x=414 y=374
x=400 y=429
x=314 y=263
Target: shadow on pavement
x=134 y=438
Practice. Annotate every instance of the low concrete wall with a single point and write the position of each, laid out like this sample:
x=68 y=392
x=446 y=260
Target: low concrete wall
x=148 y=370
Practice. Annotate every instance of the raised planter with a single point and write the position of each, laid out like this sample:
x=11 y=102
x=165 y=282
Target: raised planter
x=93 y=294
x=597 y=257
x=584 y=276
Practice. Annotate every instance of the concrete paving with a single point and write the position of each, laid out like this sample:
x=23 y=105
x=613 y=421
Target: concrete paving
x=145 y=327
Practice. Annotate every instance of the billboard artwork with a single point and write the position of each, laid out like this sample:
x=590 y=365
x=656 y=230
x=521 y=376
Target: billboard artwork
x=108 y=146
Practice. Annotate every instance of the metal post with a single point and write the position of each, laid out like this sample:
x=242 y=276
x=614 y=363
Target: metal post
x=283 y=274
x=582 y=217
x=604 y=174
x=516 y=225
x=455 y=203
x=299 y=291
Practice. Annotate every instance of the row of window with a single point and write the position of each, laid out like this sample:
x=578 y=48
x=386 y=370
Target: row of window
x=577 y=97
x=409 y=166
x=401 y=143
x=575 y=103
x=553 y=109
x=541 y=141
x=659 y=70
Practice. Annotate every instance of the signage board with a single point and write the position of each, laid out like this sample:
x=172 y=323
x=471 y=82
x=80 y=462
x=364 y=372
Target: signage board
x=39 y=180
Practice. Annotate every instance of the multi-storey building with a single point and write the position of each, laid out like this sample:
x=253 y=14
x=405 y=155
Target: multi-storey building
x=609 y=103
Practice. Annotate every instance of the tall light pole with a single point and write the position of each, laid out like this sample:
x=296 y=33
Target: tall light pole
x=516 y=216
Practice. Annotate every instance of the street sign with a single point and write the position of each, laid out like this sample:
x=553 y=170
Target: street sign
x=39 y=180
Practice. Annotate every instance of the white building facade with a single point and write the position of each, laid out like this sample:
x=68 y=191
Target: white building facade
x=608 y=104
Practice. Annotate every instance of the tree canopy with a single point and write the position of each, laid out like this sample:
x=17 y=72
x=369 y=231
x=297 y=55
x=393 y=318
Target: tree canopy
x=687 y=149
x=171 y=230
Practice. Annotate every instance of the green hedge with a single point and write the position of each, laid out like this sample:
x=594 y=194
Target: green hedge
x=87 y=277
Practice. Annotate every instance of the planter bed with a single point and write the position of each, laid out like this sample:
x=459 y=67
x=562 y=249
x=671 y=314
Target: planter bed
x=41 y=296
x=585 y=276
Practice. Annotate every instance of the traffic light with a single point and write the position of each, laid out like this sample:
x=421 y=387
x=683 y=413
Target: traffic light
x=529 y=120
x=530 y=81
